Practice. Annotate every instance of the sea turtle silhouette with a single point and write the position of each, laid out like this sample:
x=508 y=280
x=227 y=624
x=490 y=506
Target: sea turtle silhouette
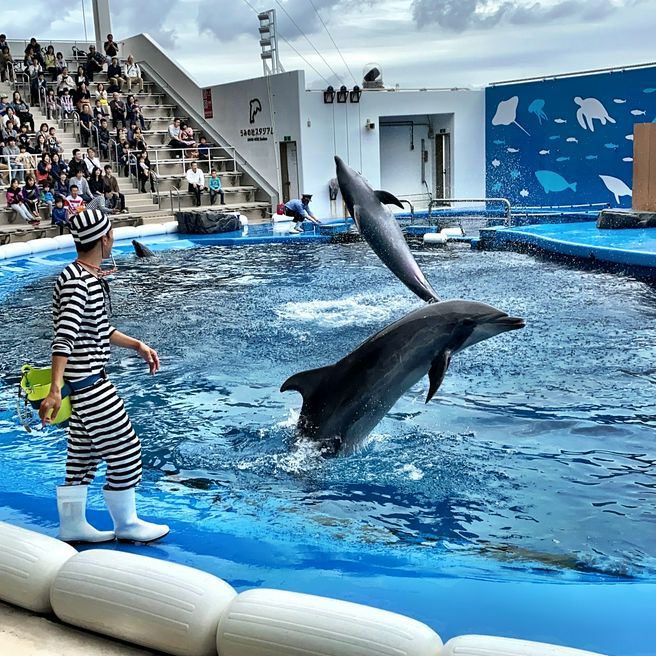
x=589 y=109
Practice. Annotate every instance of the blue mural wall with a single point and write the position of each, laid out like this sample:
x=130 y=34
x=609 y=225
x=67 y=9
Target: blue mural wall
x=569 y=140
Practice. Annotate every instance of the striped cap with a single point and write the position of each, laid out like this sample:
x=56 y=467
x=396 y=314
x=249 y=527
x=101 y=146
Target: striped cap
x=88 y=226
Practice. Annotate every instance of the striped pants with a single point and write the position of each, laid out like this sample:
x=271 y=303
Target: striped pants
x=100 y=429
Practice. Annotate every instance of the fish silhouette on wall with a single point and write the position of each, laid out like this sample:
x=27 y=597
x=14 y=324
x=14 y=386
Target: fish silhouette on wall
x=552 y=181
x=590 y=109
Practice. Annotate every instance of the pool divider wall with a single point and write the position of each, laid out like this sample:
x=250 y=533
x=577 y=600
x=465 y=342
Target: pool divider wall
x=34 y=246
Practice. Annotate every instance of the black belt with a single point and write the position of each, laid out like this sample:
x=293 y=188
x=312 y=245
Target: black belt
x=89 y=381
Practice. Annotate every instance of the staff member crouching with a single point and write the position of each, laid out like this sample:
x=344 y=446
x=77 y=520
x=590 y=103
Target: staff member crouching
x=300 y=210
x=99 y=428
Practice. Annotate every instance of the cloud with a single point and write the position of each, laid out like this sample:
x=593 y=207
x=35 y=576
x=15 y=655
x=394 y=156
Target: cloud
x=132 y=17
x=461 y=15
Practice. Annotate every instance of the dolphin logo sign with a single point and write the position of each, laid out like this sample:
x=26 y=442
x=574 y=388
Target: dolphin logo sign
x=255 y=107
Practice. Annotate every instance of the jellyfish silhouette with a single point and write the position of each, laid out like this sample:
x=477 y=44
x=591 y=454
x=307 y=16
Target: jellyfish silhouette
x=537 y=108
x=507 y=113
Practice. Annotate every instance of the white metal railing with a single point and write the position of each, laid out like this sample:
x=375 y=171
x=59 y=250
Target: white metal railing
x=503 y=201
x=177 y=193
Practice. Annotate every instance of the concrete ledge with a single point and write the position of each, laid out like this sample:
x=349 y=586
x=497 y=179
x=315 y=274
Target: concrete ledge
x=618 y=219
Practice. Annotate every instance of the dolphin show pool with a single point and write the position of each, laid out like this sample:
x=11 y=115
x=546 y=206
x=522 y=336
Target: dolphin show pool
x=519 y=501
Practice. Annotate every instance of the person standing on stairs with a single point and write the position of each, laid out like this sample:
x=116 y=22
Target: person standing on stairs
x=99 y=427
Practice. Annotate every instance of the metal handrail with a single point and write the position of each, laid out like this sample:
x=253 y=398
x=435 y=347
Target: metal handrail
x=504 y=201
x=177 y=193
x=411 y=206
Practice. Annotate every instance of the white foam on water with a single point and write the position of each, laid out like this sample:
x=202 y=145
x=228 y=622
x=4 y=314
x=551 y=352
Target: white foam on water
x=411 y=471
x=356 y=310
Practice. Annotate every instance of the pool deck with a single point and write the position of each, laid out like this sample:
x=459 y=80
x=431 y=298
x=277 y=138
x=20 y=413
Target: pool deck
x=27 y=634
x=629 y=248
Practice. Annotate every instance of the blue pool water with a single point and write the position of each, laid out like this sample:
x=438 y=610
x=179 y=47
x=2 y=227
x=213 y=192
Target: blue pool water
x=519 y=502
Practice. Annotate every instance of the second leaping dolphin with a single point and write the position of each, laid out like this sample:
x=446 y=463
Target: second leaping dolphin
x=343 y=402
x=380 y=230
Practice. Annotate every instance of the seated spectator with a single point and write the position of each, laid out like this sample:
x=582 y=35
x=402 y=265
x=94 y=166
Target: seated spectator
x=214 y=185
x=82 y=185
x=145 y=174
x=50 y=62
x=74 y=202
x=43 y=129
x=26 y=160
x=97 y=112
x=15 y=202
x=9 y=131
x=10 y=152
x=103 y=138
x=112 y=182
x=133 y=111
x=95 y=62
x=103 y=202
x=31 y=196
x=6 y=65
x=3 y=41
x=82 y=97
x=101 y=96
x=187 y=138
x=10 y=115
x=60 y=64
x=81 y=77
x=117 y=108
x=44 y=169
x=4 y=168
x=4 y=103
x=86 y=121
x=132 y=74
x=41 y=145
x=52 y=105
x=54 y=142
x=114 y=74
x=96 y=182
x=204 y=148
x=65 y=81
x=24 y=139
x=111 y=48
x=47 y=197
x=59 y=216
x=174 y=133
x=58 y=165
x=33 y=50
x=127 y=160
x=139 y=143
x=195 y=182
x=22 y=110
x=66 y=103
x=77 y=163
x=91 y=160
x=61 y=189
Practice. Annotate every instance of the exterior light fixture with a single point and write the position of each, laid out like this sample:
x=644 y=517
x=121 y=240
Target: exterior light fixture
x=329 y=95
x=342 y=94
x=354 y=95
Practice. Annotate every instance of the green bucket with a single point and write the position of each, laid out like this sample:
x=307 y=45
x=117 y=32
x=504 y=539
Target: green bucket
x=35 y=385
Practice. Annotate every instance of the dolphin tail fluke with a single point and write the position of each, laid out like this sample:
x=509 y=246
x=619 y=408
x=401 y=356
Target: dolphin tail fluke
x=388 y=199
x=437 y=372
x=305 y=382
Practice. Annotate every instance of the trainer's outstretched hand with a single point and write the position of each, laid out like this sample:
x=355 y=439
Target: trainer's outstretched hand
x=150 y=356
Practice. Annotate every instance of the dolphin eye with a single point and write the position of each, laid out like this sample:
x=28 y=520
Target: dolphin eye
x=468 y=322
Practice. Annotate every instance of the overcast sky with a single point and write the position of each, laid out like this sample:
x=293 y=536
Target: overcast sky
x=418 y=43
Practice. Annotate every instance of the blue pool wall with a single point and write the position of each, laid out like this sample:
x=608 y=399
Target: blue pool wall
x=571 y=157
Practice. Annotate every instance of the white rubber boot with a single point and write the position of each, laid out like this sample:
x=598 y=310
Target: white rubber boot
x=73 y=525
x=127 y=526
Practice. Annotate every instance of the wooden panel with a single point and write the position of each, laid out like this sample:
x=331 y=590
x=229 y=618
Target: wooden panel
x=644 y=167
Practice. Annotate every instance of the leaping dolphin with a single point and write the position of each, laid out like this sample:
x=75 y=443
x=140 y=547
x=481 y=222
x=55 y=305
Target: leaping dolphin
x=141 y=250
x=380 y=229
x=343 y=402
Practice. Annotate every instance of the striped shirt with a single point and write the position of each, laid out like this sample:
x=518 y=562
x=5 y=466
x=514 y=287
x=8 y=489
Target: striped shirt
x=82 y=328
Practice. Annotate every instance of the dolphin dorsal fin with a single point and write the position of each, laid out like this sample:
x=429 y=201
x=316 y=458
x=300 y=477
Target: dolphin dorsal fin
x=306 y=382
x=437 y=372
x=386 y=198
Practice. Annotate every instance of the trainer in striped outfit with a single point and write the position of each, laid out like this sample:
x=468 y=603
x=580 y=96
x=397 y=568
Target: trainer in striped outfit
x=99 y=428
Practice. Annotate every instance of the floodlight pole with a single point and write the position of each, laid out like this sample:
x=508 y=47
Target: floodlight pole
x=269 y=43
x=102 y=22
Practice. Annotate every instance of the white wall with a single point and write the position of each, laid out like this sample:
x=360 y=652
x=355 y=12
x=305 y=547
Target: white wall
x=340 y=129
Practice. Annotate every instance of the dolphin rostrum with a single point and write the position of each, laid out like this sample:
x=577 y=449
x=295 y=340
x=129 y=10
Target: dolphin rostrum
x=343 y=402
x=140 y=250
x=380 y=229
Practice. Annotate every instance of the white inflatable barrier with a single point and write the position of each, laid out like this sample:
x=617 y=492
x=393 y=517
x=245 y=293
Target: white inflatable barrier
x=17 y=249
x=452 y=232
x=277 y=623
x=434 y=238
x=482 y=645
x=153 y=603
x=29 y=563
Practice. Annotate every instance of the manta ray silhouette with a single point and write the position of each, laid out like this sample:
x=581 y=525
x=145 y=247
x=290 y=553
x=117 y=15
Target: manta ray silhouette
x=255 y=107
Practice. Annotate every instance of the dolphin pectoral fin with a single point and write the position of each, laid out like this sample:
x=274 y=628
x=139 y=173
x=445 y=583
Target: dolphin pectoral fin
x=356 y=216
x=387 y=199
x=305 y=382
x=437 y=372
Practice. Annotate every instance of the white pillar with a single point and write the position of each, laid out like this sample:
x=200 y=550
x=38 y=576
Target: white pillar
x=102 y=22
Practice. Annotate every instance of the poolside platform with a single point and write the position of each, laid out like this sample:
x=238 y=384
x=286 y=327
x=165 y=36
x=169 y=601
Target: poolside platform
x=628 y=249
